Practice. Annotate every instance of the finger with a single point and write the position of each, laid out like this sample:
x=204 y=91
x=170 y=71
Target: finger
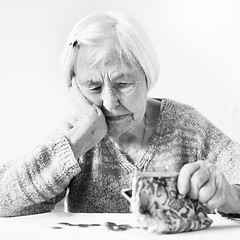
x=185 y=175
x=219 y=197
x=207 y=191
x=215 y=201
x=198 y=179
x=72 y=121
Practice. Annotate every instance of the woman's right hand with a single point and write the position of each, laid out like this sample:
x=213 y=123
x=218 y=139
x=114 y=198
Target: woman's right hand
x=88 y=128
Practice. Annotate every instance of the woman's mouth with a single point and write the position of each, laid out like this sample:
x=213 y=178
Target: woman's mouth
x=116 y=118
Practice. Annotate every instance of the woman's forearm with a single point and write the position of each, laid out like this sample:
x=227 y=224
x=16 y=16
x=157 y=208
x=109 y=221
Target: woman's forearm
x=37 y=177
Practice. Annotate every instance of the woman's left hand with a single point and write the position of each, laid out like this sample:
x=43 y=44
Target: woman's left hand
x=204 y=181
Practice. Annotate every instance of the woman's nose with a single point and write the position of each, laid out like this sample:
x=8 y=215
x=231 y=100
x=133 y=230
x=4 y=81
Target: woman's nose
x=109 y=99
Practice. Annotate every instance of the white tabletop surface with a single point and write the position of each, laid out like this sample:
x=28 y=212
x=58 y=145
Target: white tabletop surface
x=71 y=226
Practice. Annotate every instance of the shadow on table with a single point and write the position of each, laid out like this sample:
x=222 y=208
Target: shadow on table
x=109 y=225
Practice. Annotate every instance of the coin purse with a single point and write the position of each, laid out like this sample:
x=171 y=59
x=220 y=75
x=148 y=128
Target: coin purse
x=159 y=208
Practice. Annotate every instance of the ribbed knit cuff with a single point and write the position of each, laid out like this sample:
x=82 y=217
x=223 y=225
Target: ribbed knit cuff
x=63 y=152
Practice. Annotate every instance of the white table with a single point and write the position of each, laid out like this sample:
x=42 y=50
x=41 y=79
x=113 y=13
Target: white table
x=58 y=225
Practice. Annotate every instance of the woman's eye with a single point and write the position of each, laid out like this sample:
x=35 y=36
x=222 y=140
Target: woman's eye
x=124 y=85
x=95 y=89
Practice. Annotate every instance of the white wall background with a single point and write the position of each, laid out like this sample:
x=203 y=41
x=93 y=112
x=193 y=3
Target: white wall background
x=197 y=43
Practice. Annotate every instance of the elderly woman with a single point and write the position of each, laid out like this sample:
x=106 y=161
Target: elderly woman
x=110 y=65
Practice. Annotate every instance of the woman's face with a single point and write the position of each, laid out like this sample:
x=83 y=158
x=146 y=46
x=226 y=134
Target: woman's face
x=118 y=88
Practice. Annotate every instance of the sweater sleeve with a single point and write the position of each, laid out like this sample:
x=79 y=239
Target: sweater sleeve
x=36 y=182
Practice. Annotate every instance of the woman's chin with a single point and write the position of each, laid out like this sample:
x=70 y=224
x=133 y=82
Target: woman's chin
x=115 y=132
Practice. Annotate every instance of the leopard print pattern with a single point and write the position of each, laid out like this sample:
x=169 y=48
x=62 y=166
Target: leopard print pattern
x=160 y=208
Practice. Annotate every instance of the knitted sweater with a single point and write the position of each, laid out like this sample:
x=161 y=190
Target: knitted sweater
x=36 y=182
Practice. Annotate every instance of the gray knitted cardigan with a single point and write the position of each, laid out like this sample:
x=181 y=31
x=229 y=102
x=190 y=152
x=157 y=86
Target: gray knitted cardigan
x=36 y=182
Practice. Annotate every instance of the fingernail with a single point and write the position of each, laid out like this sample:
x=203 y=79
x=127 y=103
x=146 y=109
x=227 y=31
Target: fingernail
x=182 y=195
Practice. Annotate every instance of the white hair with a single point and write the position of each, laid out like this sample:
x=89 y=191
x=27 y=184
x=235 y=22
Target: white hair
x=111 y=30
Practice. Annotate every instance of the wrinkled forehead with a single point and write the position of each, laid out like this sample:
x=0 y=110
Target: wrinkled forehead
x=94 y=56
